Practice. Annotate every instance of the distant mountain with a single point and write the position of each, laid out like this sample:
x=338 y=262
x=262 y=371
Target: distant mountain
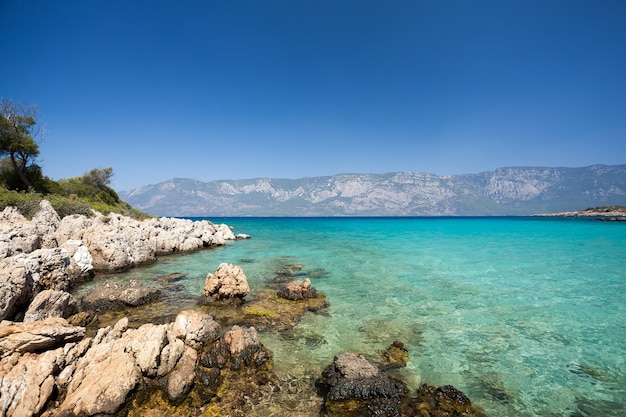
x=505 y=191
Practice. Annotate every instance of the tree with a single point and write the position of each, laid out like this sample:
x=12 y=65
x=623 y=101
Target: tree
x=99 y=177
x=18 y=138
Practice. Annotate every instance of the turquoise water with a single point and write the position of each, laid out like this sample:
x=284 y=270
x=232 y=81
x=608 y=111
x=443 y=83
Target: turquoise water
x=527 y=316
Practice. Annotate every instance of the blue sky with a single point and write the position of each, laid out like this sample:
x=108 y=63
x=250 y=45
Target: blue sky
x=289 y=89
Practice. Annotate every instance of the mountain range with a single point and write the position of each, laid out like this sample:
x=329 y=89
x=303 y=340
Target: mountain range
x=504 y=191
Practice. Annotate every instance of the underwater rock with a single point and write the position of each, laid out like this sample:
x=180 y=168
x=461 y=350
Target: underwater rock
x=396 y=356
x=444 y=401
x=227 y=286
x=112 y=295
x=298 y=290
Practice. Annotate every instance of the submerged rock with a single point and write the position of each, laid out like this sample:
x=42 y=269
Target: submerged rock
x=298 y=290
x=112 y=295
x=227 y=286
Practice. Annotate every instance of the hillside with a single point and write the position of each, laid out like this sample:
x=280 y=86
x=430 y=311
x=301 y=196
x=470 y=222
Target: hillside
x=505 y=191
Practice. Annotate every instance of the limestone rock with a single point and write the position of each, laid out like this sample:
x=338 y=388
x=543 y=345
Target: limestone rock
x=81 y=261
x=25 y=275
x=298 y=290
x=51 y=303
x=27 y=381
x=228 y=284
x=194 y=328
x=181 y=378
x=37 y=336
x=112 y=295
x=102 y=380
x=46 y=221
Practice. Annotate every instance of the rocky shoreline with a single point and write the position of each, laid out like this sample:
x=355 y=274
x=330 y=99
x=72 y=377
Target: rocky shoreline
x=57 y=359
x=600 y=215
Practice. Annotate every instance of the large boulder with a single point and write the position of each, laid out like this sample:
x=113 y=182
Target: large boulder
x=227 y=285
x=25 y=275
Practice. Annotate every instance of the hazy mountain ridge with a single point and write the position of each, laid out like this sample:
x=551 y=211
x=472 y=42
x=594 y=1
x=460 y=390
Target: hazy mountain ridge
x=505 y=191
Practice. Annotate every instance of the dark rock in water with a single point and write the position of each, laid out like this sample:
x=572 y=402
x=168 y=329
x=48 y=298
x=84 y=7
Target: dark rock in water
x=355 y=387
x=352 y=376
x=298 y=290
x=238 y=347
x=445 y=401
x=112 y=295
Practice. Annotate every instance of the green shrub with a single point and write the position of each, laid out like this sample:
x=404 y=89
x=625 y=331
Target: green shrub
x=25 y=202
x=66 y=206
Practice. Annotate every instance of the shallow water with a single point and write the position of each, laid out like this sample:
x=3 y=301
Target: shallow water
x=524 y=315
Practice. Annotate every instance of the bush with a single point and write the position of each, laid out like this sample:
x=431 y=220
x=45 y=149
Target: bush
x=66 y=206
x=26 y=203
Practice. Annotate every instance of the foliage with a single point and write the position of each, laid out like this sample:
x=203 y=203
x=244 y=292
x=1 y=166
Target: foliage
x=26 y=203
x=78 y=195
x=18 y=142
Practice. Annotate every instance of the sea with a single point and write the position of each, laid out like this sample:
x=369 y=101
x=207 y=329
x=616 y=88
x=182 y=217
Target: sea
x=525 y=315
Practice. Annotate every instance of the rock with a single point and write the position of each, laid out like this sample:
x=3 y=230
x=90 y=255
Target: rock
x=25 y=275
x=46 y=221
x=396 y=356
x=445 y=401
x=181 y=378
x=51 y=303
x=227 y=285
x=298 y=290
x=239 y=236
x=112 y=295
x=117 y=242
x=238 y=347
x=194 y=328
x=102 y=380
x=81 y=261
x=37 y=336
x=28 y=381
x=355 y=384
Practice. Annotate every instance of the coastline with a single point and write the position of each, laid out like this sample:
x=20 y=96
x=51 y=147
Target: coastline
x=206 y=359
x=600 y=213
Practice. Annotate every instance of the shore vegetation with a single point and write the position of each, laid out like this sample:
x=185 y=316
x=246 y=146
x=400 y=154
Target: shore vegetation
x=22 y=181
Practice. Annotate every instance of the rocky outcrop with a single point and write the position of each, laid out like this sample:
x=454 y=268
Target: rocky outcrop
x=51 y=253
x=112 y=295
x=47 y=363
x=227 y=286
x=298 y=290
x=25 y=275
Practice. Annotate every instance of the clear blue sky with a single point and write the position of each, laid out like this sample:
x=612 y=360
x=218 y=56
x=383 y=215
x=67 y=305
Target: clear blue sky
x=246 y=89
